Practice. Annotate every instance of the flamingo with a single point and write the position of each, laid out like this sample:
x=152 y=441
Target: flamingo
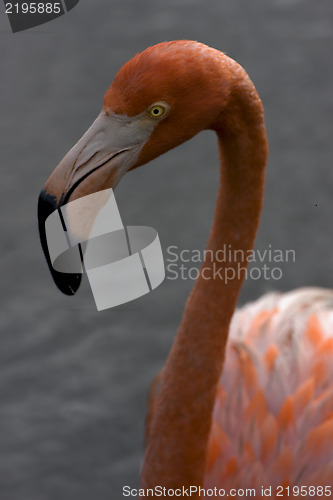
x=245 y=398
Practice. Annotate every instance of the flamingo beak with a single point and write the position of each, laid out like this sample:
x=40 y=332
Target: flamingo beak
x=98 y=161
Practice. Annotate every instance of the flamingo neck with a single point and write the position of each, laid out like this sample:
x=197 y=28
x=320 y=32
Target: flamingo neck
x=182 y=413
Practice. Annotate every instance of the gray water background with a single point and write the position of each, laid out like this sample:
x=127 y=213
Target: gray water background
x=73 y=382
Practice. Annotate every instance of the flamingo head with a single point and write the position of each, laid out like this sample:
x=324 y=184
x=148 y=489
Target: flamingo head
x=159 y=99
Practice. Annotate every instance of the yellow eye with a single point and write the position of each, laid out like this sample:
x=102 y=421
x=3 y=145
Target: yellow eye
x=157 y=110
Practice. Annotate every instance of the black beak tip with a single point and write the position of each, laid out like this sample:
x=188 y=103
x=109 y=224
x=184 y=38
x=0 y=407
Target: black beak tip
x=67 y=283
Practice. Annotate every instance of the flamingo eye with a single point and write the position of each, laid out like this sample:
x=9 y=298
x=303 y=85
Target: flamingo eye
x=157 y=110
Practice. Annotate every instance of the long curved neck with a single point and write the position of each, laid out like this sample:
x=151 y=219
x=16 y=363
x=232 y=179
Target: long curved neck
x=181 y=419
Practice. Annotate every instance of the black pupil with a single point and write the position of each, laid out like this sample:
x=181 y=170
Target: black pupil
x=156 y=111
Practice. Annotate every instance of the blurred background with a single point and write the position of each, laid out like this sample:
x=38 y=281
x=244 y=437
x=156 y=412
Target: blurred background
x=74 y=381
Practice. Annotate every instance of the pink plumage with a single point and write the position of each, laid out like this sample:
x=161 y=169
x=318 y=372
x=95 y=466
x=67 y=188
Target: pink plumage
x=273 y=417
